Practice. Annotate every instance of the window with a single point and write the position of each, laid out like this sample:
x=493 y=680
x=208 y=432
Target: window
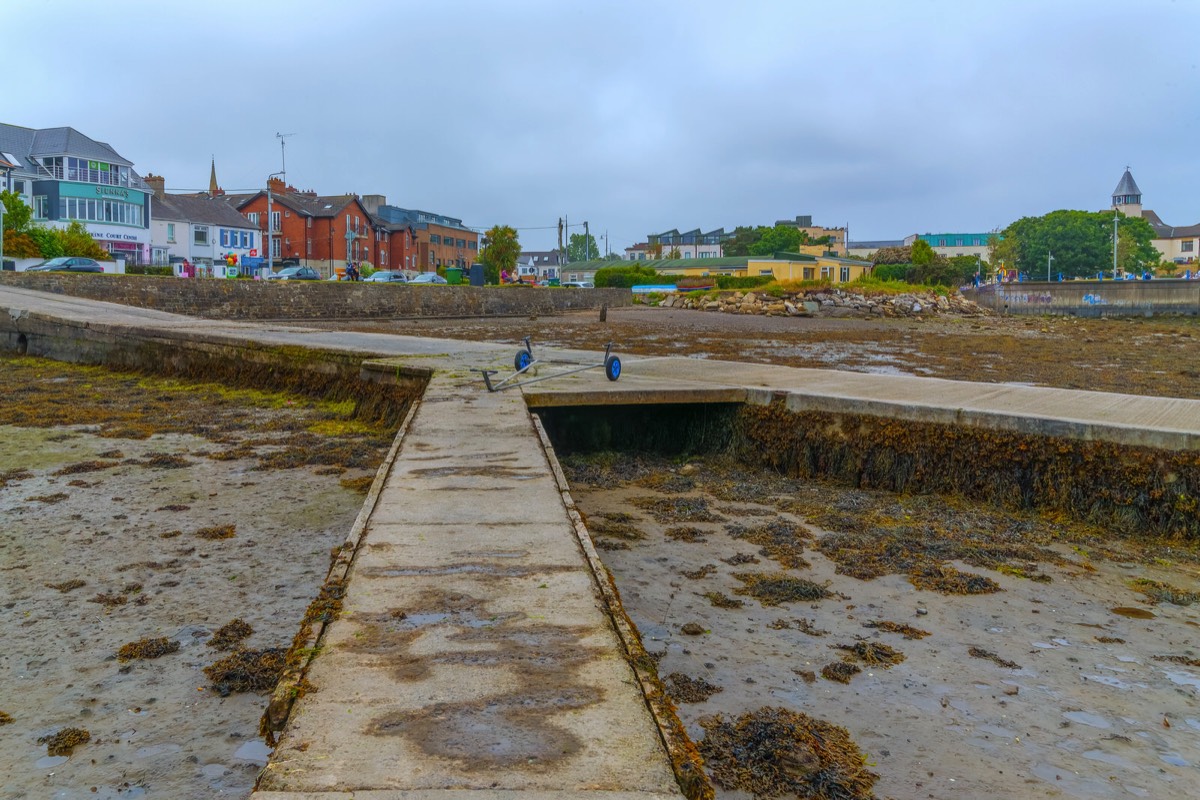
x=809 y=273
x=435 y=239
x=461 y=243
x=224 y=238
x=41 y=207
x=19 y=187
x=200 y=235
x=253 y=217
x=472 y=245
x=1187 y=245
x=844 y=275
x=275 y=222
x=308 y=222
x=275 y=248
x=171 y=232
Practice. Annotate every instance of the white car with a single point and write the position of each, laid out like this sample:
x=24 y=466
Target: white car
x=578 y=285
x=428 y=277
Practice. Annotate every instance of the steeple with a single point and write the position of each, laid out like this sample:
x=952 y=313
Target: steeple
x=213 y=189
x=1127 y=197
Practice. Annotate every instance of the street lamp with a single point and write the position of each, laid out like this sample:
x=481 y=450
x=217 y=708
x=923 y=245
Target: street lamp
x=1049 y=258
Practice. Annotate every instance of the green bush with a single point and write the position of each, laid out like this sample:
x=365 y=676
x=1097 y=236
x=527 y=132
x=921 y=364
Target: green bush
x=626 y=277
x=147 y=269
x=891 y=272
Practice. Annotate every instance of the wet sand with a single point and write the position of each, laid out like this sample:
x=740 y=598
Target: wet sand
x=1072 y=716
x=131 y=535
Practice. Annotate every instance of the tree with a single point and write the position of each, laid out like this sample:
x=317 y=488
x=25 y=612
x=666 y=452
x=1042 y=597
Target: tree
x=17 y=215
x=501 y=248
x=744 y=237
x=625 y=277
x=1080 y=241
x=780 y=239
x=581 y=250
x=674 y=253
x=922 y=254
x=892 y=255
x=1002 y=252
x=76 y=241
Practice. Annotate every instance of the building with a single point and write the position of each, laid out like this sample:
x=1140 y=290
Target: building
x=65 y=176
x=203 y=229
x=441 y=241
x=690 y=244
x=1178 y=245
x=540 y=265
x=868 y=247
x=323 y=231
x=792 y=267
x=638 y=252
x=837 y=236
x=955 y=244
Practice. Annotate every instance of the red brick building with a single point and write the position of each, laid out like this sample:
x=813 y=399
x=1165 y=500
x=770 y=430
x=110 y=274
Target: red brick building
x=325 y=231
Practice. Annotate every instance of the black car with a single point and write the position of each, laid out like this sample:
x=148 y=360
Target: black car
x=295 y=274
x=68 y=264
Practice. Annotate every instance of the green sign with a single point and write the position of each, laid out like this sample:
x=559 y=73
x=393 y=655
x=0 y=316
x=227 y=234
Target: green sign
x=95 y=190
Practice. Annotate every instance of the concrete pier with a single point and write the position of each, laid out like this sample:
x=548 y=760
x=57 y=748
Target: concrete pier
x=475 y=651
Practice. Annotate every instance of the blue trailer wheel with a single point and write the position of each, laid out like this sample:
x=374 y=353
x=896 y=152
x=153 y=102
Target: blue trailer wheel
x=612 y=368
x=522 y=360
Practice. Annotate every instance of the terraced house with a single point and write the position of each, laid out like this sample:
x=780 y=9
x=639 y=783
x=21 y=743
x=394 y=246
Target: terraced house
x=65 y=176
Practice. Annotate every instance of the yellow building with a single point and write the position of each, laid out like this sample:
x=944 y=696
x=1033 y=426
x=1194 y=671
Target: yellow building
x=792 y=267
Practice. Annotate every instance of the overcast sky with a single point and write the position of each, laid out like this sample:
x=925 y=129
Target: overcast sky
x=892 y=117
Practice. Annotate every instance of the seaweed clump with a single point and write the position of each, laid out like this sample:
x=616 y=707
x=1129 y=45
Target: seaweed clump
x=5 y=718
x=247 y=671
x=217 y=532
x=908 y=631
x=147 y=648
x=1159 y=592
x=873 y=654
x=67 y=586
x=722 y=600
x=65 y=741
x=772 y=752
x=690 y=690
x=13 y=475
x=229 y=635
x=668 y=510
x=948 y=580
x=840 y=671
x=979 y=652
x=772 y=589
x=780 y=540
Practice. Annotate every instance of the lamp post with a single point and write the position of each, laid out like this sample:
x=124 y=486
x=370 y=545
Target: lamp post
x=1116 y=220
x=2 y=236
x=270 y=249
x=1049 y=258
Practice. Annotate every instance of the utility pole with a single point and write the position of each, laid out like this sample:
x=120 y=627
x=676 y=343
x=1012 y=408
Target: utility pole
x=587 y=242
x=567 y=252
x=1116 y=220
x=1049 y=258
x=282 y=137
x=270 y=250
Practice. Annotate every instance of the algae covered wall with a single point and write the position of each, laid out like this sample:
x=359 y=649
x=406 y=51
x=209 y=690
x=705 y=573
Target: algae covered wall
x=382 y=396
x=1129 y=488
x=246 y=299
x=1091 y=298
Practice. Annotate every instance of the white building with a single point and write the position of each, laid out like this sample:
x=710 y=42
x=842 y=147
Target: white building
x=202 y=229
x=65 y=176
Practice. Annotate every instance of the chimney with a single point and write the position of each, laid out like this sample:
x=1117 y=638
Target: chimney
x=276 y=185
x=372 y=202
x=157 y=183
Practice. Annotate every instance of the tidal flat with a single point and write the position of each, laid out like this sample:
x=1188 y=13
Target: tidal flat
x=150 y=528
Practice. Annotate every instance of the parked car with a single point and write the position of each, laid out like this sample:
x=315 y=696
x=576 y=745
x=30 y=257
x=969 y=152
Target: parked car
x=386 y=276
x=68 y=264
x=295 y=274
x=428 y=277
x=579 y=285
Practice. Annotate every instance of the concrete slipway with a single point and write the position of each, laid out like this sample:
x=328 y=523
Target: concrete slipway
x=475 y=652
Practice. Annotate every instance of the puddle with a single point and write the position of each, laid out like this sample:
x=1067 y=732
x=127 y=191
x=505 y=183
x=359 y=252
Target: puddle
x=47 y=762
x=1087 y=718
x=253 y=750
x=1110 y=758
x=1174 y=759
x=1181 y=678
x=1132 y=613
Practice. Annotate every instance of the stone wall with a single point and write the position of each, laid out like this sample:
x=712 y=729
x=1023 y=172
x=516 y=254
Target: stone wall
x=825 y=303
x=1091 y=298
x=245 y=299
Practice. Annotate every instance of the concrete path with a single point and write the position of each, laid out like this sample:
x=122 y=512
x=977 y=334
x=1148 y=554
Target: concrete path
x=474 y=652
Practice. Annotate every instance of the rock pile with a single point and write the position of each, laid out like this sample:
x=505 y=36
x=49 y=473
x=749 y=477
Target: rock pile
x=826 y=303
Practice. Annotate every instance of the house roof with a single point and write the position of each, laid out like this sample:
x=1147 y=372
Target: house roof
x=310 y=205
x=1127 y=186
x=875 y=244
x=198 y=208
x=1164 y=231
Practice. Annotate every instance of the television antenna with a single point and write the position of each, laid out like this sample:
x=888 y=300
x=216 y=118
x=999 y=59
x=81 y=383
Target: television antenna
x=282 y=137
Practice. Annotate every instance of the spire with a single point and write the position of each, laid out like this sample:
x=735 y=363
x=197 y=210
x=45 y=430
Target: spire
x=212 y=178
x=1127 y=191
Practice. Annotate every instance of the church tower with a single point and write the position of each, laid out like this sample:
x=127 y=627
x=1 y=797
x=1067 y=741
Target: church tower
x=213 y=189
x=1127 y=197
